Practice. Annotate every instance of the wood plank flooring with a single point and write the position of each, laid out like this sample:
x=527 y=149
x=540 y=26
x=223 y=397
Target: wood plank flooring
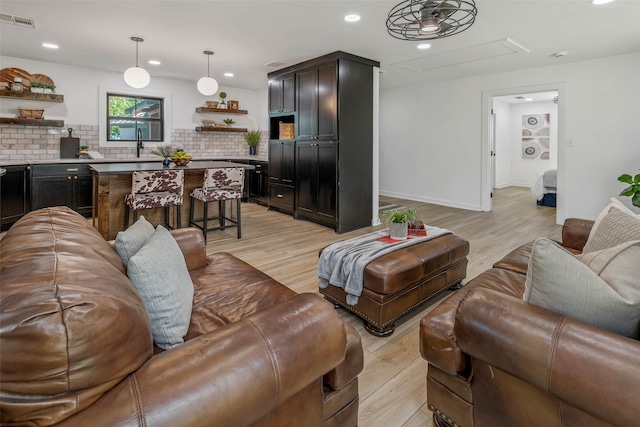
x=392 y=385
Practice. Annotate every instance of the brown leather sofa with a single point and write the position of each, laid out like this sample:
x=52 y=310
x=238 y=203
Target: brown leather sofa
x=496 y=360
x=76 y=346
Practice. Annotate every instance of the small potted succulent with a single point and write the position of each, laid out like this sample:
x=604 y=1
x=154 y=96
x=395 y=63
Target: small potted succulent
x=253 y=139
x=229 y=122
x=398 y=221
x=37 y=87
x=166 y=152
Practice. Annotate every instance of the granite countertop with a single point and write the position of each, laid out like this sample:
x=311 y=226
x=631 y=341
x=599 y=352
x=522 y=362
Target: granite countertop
x=120 y=168
x=150 y=159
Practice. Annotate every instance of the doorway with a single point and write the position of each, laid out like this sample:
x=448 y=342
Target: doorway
x=490 y=131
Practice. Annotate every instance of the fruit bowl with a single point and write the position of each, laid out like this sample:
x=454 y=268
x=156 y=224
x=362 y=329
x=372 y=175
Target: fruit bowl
x=181 y=161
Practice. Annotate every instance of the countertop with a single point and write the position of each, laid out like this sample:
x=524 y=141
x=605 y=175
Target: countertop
x=150 y=159
x=129 y=167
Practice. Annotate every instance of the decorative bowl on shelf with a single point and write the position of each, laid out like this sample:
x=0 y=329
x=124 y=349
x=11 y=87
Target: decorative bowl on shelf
x=181 y=161
x=212 y=104
x=207 y=122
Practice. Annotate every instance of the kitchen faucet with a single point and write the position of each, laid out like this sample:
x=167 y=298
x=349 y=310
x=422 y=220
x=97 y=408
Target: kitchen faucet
x=139 y=145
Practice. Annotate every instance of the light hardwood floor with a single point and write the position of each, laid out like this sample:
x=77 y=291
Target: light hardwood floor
x=392 y=385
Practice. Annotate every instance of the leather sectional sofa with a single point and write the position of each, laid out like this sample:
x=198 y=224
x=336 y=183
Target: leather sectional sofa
x=497 y=360
x=76 y=346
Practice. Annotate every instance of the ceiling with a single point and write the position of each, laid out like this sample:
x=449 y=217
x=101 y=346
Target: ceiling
x=246 y=35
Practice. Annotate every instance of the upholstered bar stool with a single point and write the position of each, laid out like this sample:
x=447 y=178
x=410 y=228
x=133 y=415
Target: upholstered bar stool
x=155 y=189
x=219 y=186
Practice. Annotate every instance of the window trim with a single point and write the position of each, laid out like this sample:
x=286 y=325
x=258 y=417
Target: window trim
x=103 y=115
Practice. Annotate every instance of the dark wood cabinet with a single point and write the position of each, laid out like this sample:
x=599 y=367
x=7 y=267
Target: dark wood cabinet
x=67 y=184
x=282 y=93
x=258 y=182
x=317 y=92
x=281 y=174
x=14 y=194
x=316 y=181
x=333 y=155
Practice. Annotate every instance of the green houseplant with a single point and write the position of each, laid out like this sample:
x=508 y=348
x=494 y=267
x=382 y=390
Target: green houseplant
x=166 y=152
x=633 y=190
x=222 y=96
x=253 y=139
x=398 y=221
x=229 y=122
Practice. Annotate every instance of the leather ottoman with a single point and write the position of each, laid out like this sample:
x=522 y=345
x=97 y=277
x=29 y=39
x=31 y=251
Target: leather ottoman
x=398 y=282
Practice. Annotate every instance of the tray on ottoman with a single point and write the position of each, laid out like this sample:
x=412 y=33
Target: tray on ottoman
x=400 y=281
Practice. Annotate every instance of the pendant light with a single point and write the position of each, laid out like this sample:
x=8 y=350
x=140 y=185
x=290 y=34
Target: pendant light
x=207 y=85
x=135 y=76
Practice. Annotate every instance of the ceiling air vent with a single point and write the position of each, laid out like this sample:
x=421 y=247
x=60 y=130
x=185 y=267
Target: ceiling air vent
x=16 y=20
x=520 y=97
x=274 y=64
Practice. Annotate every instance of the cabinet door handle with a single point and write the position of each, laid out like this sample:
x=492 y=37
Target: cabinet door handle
x=72 y=169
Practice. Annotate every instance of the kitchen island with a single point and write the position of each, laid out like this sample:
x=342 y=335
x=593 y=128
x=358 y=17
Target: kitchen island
x=112 y=181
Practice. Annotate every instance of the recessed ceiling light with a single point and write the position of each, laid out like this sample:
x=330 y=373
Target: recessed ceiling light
x=528 y=99
x=228 y=74
x=352 y=18
x=154 y=62
x=424 y=46
x=598 y=2
x=50 y=45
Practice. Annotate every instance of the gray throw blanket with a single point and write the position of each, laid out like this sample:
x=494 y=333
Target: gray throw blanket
x=342 y=263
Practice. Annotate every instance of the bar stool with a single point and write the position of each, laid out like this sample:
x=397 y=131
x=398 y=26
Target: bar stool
x=219 y=185
x=155 y=189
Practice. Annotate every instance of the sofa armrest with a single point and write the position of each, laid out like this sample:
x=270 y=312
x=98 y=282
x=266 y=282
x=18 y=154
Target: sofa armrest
x=589 y=368
x=231 y=376
x=192 y=244
x=575 y=233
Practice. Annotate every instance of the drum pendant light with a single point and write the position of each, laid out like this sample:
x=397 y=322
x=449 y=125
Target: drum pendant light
x=207 y=85
x=137 y=77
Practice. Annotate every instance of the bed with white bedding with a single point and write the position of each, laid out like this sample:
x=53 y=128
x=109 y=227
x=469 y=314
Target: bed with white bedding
x=545 y=188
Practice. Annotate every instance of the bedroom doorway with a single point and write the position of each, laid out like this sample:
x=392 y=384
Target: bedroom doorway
x=524 y=143
x=508 y=159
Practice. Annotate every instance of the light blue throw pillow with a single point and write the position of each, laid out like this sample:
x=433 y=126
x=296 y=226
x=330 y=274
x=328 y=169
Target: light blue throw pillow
x=159 y=273
x=129 y=241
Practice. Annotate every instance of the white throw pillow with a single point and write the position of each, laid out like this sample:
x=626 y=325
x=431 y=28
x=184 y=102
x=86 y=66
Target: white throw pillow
x=159 y=272
x=129 y=241
x=601 y=288
x=614 y=228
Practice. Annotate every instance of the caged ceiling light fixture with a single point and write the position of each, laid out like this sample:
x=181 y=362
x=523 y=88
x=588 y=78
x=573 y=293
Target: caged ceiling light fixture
x=431 y=19
x=207 y=85
x=135 y=76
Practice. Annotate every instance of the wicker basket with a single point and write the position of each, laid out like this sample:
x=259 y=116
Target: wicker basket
x=286 y=131
x=29 y=113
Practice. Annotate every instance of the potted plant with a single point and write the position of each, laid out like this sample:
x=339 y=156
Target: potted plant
x=253 y=139
x=49 y=88
x=166 y=152
x=222 y=96
x=632 y=190
x=229 y=122
x=398 y=221
x=37 y=87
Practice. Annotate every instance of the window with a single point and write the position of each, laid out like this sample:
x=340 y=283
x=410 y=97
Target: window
x=128 y=113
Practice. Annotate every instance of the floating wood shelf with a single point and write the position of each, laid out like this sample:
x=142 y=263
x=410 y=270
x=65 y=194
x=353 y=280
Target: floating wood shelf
x=219 y=129
x=31 y=122
x=50 y=97
x=220 y=110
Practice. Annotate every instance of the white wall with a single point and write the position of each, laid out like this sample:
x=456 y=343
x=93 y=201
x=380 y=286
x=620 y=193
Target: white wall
x=80 y=87
x=511 y=168
x=430 y=135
